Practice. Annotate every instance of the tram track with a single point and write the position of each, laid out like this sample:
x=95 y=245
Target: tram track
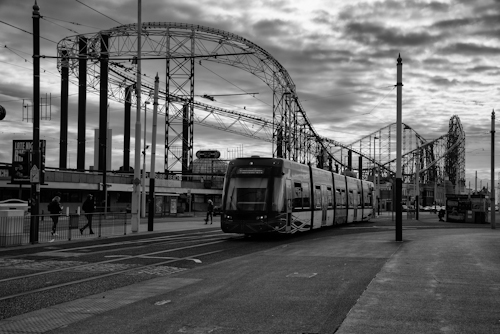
x=93 y=278
x=56 y=278
x=133 y=244
x=117 y=259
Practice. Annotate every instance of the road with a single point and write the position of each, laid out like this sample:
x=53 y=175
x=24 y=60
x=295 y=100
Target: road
x=201 y=281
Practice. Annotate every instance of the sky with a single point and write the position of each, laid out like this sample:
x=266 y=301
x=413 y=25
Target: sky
x=341 y=55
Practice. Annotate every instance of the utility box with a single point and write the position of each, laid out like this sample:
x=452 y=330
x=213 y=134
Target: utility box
x=11 y=227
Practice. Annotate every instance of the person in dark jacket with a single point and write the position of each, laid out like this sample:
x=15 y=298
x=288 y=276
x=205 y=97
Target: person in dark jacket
x=55 y=208
x=89 y=208
x=210 y=211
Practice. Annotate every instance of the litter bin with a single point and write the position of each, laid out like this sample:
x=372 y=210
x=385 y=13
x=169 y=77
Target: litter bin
x=11 y=227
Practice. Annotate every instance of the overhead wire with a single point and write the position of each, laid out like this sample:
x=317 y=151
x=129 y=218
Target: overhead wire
x=26 y=31
x=383 y=98
x=99 y=12
x=75 y=23
x=233 y=84
x=44 y=18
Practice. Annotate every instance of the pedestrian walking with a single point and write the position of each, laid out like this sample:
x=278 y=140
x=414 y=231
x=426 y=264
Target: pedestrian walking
x=441 y=214
x=89 y=208
x=55 y=208
x=210 y=211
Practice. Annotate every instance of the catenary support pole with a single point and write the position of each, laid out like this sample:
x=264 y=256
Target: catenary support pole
x=103 y=116
x=136 y=193
x=35 y=187
x=143 y=182
x=399 y=180
x=152 y=173
x=417 y=187
x=493 y=223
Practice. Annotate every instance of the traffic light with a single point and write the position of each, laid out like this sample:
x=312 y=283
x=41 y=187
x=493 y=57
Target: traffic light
x=42 y=167
x=23 y=169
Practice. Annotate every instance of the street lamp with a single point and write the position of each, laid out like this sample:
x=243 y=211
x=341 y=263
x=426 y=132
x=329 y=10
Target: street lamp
x=143 y=197
x=375 y=203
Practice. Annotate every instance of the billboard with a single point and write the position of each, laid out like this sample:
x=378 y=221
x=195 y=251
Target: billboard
x=22 y=155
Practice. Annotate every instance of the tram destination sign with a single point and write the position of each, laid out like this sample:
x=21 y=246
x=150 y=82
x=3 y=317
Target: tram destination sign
x=250 y=170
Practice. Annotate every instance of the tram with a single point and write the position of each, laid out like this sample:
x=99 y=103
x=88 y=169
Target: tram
x=266 y=195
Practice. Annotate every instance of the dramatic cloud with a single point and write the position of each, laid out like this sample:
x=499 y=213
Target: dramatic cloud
x=341 y=55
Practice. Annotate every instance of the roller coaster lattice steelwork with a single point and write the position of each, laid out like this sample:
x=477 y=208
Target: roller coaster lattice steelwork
x=438 y=159
x=180 y=45
x=291 y=133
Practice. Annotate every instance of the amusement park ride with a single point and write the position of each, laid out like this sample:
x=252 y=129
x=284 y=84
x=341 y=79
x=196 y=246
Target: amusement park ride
x=107 y=60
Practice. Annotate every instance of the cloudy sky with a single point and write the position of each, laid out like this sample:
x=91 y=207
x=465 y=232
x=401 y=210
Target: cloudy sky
x=340 y=54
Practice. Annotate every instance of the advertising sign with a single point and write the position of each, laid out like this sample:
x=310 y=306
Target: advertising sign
x=22 y=155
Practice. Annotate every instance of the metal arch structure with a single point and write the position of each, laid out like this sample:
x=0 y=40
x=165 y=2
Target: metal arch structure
x=179 y=44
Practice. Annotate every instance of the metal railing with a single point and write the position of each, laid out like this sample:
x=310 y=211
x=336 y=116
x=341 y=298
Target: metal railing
x=15 y=231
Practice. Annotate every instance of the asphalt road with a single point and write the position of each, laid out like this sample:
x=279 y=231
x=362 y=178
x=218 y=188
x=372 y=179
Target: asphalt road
x=307 y=283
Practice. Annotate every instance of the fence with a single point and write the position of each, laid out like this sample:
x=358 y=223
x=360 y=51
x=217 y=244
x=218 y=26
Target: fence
x=16 y=230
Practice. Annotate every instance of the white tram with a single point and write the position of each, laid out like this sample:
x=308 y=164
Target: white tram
x=264 y=195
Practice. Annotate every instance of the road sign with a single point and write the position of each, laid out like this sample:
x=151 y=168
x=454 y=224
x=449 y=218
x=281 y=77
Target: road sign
x=34 y=174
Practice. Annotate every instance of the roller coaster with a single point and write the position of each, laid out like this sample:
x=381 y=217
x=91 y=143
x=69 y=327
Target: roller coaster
x=289 y=130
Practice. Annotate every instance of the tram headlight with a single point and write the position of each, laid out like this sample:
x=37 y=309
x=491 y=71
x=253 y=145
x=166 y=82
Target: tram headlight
x=261 y=218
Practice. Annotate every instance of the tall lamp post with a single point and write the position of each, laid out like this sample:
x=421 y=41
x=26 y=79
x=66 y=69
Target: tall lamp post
x=143 y=197
x=375 y=178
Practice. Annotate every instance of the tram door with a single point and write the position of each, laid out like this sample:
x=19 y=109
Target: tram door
x=324 y=205
x=288 y=190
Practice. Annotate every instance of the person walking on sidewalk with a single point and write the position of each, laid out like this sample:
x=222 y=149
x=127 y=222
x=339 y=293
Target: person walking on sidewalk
x=210 y=211
x=55 y=208
x=89 y=208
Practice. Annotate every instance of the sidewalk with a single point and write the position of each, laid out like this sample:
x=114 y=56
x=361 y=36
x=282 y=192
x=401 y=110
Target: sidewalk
x=438 y=281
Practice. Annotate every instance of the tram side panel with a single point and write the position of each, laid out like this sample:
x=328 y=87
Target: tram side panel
x=340 y=198
x=323 y=198
x=368 y=200
x=352 y=199
x=301 y=200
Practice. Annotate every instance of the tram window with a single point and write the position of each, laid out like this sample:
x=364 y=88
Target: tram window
x=306 y=202
x=329 y=197
x=278 y=202
x=297 y=195
x=359 y=200
x=317 y=195
x=247 y=194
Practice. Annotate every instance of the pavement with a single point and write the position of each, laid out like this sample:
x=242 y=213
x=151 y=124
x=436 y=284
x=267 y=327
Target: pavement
x=442 y=278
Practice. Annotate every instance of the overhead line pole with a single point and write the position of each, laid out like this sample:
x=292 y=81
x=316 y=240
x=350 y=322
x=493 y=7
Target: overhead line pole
x=493 y=223
x=137 y=165
x=35 y=187
x=399 y=181
x=152 y=175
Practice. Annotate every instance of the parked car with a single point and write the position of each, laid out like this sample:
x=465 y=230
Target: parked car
x=217 y=210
